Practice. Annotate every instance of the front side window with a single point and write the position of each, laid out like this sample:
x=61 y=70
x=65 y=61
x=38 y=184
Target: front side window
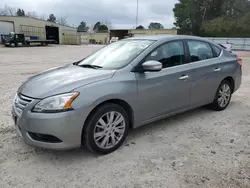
x=117 y=55
x=200 y=51
x=169 y=54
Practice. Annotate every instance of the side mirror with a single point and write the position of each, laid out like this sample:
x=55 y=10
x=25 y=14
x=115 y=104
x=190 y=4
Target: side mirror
x=152 y=66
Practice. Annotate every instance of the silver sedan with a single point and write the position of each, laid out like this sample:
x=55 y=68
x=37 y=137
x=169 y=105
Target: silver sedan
x=129 y=83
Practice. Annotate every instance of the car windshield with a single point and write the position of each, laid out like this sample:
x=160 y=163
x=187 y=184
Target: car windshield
x=116 y=55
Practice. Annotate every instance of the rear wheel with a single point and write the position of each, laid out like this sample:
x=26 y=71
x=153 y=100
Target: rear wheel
x=223 y=96
x=106 y=129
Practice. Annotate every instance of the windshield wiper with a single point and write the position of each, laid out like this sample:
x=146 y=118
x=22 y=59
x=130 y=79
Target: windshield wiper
x=90 y=66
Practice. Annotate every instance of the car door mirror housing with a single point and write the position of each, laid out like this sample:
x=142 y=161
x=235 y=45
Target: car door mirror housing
x=152 y=66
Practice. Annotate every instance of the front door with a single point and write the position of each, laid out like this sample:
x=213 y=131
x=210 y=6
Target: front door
x=168 y=90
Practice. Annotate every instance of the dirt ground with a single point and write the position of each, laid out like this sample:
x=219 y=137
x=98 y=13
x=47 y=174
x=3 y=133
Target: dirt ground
x=200 y=148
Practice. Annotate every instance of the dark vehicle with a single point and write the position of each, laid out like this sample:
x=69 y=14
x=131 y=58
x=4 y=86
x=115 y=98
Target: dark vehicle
x=15 y=39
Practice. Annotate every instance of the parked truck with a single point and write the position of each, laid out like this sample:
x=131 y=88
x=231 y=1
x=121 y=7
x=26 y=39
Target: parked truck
x=15 y=39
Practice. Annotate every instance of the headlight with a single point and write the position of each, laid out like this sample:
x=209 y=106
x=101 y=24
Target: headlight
x=58 y=103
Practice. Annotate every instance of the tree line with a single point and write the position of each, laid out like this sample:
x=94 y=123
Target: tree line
x=102 y=27
x=98 y=27
x=213 y=18
x=152 y=25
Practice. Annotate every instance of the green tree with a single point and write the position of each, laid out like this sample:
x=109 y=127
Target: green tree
x=223 y=27
x=140 y=27
x=103 y=27
x=155 y=25
x=100 y=27
x=83 y=27
x=235 y=9
x=20 y=12
x=96 y=26
x=191 y=14
x=52 y=18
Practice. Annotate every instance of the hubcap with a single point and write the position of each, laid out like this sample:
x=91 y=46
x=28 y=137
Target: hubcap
x=224 y=95
x=109 y=130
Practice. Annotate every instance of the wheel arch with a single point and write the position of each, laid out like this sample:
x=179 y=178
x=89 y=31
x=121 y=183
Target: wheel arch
x=231 y=81
x=119 y=102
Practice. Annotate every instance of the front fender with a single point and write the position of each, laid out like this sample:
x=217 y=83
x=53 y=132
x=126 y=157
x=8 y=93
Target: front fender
x=122 y=88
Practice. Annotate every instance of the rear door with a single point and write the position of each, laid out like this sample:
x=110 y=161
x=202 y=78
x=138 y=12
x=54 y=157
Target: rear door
x=205 y=71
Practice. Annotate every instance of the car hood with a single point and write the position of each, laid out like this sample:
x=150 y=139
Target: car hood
x=62 y=79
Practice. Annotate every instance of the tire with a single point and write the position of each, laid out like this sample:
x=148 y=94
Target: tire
x=217 y=103
x=102 y=138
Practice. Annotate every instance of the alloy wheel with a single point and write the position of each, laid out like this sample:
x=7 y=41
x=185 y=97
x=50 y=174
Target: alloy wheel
x=109 y=130
x=224 y=95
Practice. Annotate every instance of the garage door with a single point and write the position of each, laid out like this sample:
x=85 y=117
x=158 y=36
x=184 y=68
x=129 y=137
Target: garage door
x=6 y=27
x=84 y=39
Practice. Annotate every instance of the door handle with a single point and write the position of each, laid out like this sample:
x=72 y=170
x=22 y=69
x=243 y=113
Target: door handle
x=184 y=77
x=217 y=69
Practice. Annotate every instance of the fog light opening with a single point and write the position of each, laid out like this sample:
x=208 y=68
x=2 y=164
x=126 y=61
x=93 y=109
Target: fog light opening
x=44 y=138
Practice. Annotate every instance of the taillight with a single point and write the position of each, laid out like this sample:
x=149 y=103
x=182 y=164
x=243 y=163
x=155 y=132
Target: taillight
x=239 y=60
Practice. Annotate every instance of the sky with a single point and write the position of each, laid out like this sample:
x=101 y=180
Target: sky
x=121 y=13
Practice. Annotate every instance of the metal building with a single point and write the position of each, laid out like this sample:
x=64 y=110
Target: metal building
x=39 y=28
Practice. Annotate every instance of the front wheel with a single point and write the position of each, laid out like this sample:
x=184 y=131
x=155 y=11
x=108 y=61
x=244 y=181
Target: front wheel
x=106 y=129
x=223 y=96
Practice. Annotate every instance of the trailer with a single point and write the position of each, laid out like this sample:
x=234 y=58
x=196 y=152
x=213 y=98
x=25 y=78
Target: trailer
x=15 y=39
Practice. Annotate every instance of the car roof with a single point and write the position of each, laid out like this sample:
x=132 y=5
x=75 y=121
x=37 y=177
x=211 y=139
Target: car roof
x=164 y=37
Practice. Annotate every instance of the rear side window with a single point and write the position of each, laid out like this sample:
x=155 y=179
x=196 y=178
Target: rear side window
x=217 y=51
x=199 y=50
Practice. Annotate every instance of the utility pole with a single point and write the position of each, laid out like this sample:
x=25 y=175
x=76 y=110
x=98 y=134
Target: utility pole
x=136 y=22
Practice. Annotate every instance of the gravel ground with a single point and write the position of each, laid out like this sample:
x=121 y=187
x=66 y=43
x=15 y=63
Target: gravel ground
x=200 y=148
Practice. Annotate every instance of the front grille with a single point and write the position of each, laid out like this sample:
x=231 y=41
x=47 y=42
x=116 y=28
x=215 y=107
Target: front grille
x=20 y=102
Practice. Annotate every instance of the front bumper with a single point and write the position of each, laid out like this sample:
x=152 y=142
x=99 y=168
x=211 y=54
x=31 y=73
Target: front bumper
x=66 y=127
